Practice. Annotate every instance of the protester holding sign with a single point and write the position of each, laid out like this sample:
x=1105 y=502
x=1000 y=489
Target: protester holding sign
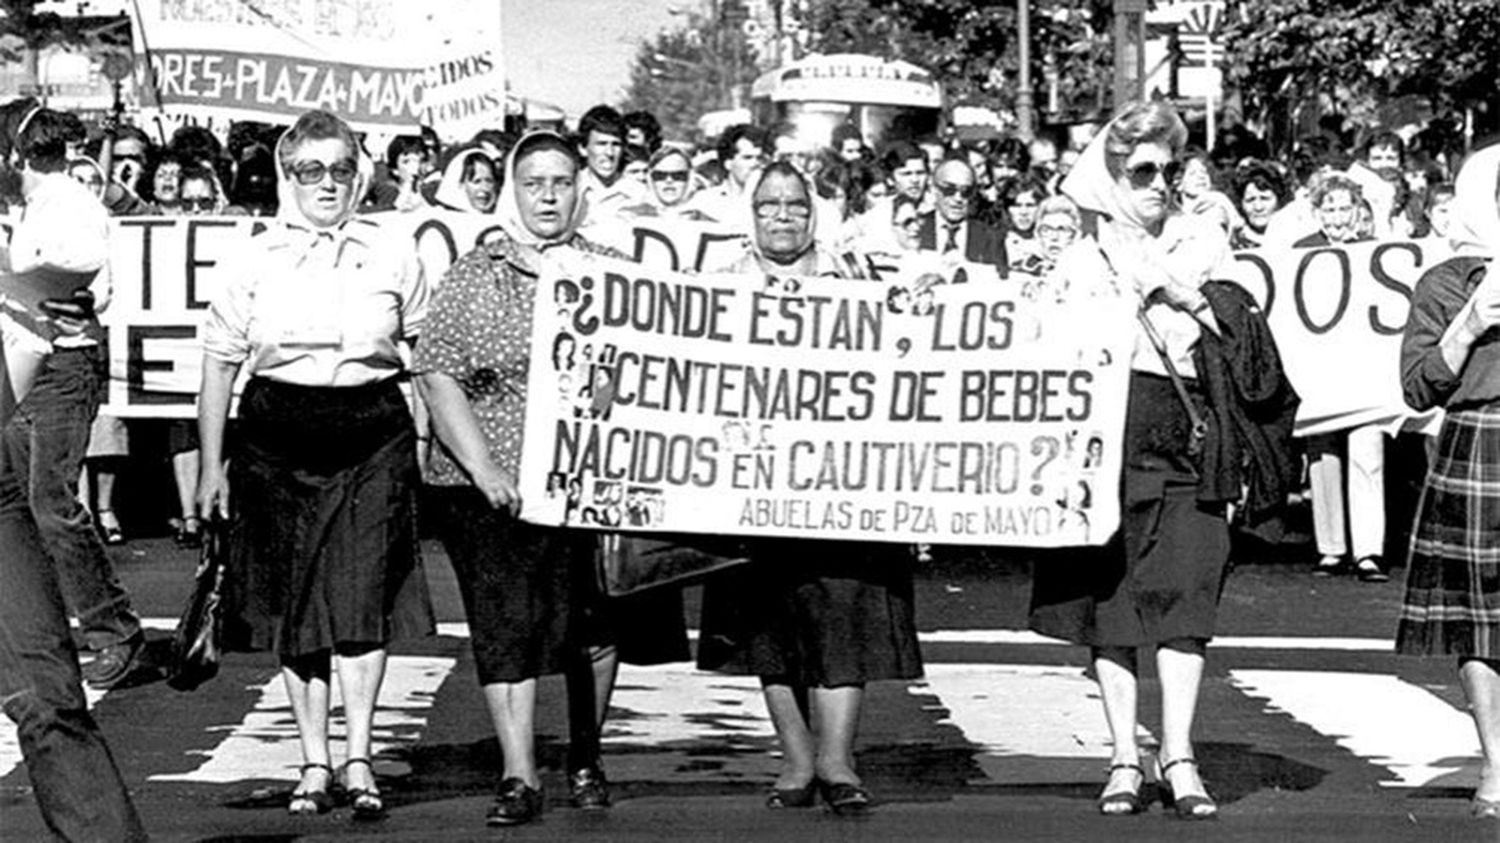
x=1157 y=584
x=815 y=620
x=1450 y=358
x=527 y=589
x=323 y=561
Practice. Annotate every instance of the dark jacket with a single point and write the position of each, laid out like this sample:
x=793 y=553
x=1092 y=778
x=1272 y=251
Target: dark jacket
x=1249 y=448
x=986 y=241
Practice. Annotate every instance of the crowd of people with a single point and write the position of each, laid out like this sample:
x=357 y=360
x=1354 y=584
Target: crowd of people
x=318 y=479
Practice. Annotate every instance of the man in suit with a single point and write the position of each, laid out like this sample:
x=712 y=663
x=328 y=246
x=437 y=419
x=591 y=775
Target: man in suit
x=952 y=228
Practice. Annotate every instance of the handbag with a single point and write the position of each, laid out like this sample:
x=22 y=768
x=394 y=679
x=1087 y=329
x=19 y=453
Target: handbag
x=632 y=563
x=196 y=642
x=1195 y=418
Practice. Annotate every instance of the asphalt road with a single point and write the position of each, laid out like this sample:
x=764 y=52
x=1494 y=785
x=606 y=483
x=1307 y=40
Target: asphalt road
x=1309 y=729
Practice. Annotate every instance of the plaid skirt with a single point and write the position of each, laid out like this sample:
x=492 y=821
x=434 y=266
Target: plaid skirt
x=1452 y=604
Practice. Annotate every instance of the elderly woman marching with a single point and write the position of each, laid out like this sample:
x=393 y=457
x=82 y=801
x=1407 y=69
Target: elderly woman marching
x=323 y=566
x=528 y=590
x=1157 y=583
x=1450 y=358
x=815 y=620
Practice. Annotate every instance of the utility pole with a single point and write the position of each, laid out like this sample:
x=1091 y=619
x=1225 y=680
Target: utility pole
x=1025 y=104
x=1130 y=51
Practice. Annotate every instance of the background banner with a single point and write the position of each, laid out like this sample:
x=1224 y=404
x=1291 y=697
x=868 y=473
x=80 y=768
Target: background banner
x=1338 y=313
x=382 y=65
x=764 y=405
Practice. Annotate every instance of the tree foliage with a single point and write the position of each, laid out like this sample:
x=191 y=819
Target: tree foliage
x=682 y=73
x=1354 y=52
x=23 y=30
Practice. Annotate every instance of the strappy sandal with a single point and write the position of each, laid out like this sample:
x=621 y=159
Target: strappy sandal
x=189 y=532
x=109 y=527
x=310 y=802
x=1191 y=807
x=1120 y=803
x=366 y=802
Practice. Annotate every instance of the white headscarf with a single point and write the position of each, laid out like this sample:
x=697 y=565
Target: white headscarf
x=508 y=206
x=287 y=210
x=1475 y=212
x=450 y=191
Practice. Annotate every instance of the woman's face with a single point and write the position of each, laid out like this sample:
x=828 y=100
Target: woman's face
x=1056 y=232
x=323 y=173
x=1023 y=210
x=165 y=183
x=783 y=215
x=87 y=175
x=547 y=190
x=1337 y=215
x=907 y=225
x=480 y=186
x=409 y=166
x=198 y=197
x=1258 y=204
x=1195 y=181
x=1145 y=181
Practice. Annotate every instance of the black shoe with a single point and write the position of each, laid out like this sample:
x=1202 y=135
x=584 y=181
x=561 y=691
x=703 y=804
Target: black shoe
x=1370 y=570
x=190 y=533
x=793 y=797
x=588 y=788
x=1330 y=566
x=113 y=663
x=845 y=798
x=515 y=803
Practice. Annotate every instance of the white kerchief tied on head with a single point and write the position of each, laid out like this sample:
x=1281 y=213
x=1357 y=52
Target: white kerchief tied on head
x=1476 y=207
x=508 y=206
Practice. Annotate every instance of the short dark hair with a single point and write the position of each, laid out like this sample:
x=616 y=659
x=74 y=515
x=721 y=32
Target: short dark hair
x=649 y=126
x=601 y=119
x=899 y=152
x=472 y=163
x=634 y=153
x=1385 y=137
x=846 y=131
x=1264 y=176
x=401 y=145
x=198 y=172
x=743 y=131
x=43 y=141
x=538 y=141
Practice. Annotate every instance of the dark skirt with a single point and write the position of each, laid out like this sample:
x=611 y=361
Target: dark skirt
x=1452 y=604
x=323 y=548
x=814 y=614
x=1161 y=575
x=531 y=594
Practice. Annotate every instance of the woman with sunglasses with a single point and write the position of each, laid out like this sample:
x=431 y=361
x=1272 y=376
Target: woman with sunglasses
x=1156 y=584
x=323 y=565
x=669 y=174
x=815 y=620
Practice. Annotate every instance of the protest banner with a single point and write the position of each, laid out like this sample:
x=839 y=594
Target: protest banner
x=671 y=244
x=1338 y=313
x=383 y=65
x=764 y=405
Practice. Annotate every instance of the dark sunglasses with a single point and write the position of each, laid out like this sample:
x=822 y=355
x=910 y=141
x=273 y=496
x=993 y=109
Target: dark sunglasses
x=950 y=190
x=680 y=176
x=198 y=203
x=312 y=172
x=1144 y=174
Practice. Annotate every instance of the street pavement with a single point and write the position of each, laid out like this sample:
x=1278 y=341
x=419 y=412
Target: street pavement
x=1309 y=728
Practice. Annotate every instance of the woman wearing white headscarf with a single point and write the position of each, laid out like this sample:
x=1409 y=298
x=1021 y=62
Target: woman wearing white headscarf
x=468 y=182
x=1157 y=583
x=323 y=563
x=1450 y=358
x=815 y=620
x=528 y=590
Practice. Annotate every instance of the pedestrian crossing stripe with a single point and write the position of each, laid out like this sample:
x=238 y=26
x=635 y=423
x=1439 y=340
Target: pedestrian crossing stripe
x=1048 y=715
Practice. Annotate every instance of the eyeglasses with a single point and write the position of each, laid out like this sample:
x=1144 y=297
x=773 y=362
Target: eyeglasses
x=679 y=176
x=1056 y=231
x=312 y=172
x=963 y=191
x=198 y=203
x=796 y=209
x=1145 y=173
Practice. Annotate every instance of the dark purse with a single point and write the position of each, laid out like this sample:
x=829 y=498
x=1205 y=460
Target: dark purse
x=632 y=563
x=195 y=645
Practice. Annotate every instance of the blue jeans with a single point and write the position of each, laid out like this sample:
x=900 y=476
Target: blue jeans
x=44 y=445
x=78 y=787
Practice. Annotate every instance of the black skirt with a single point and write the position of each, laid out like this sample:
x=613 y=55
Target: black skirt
x=814 y=614
x=531 y=594
x=1161 y=575
x=323 y=548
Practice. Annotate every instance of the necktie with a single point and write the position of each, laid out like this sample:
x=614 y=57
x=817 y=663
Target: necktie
x=952 y=243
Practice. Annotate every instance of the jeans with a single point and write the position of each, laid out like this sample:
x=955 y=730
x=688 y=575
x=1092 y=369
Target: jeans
x=79 y=789
x=44 y=445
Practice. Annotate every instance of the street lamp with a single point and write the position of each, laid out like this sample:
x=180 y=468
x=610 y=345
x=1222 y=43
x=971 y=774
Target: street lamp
x=1130 y=50
x=1025 y=107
